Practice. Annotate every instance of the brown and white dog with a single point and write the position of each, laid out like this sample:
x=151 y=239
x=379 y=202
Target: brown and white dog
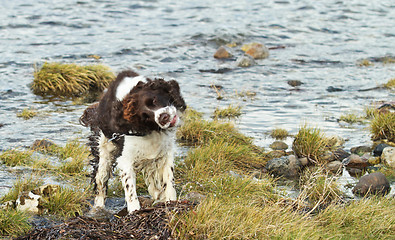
x=133 y=126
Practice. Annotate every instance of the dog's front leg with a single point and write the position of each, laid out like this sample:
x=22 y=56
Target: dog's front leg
x=128 y=176
x=161 y=182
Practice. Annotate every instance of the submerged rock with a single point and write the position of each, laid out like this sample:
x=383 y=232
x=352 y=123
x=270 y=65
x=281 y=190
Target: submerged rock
x=256 y=50
x=222 y=53
x=245 y=61
x=388 y=156
x=43 y=144
x=294 y=83
x=360 y=150
x=372 y=184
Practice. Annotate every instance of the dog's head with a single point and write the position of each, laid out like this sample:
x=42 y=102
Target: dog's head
x=151 y=104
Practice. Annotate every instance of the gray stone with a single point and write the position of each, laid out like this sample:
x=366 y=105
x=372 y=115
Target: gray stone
x=378 y=150
x=294 y=83
x=286 y=166
x=355 y=161
x=195 y=197
x=245 y=61
x=360 y=150
x=304 y=161
x=340 y=154
x=334 y=166
x=372 y=184
x=279 y=145
x=388 y=156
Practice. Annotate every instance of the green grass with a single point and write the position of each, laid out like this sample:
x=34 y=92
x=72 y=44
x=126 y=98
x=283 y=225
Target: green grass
x=13 y=223
x=351 y=118
x=279 y=133
x=27 y=113
x=390 y=84
x=67 y=202
x=14 y=157
x=229 y=112
x=382 y=126
x=311 y=143
x=197 y=131
x=70 y=80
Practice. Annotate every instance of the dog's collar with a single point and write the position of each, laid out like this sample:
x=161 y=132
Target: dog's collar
x=117 y=136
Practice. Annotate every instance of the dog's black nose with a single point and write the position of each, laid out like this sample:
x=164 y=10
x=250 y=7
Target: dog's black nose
x=164 y=118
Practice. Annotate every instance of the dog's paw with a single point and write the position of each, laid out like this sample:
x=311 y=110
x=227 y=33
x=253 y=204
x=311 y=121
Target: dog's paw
x=99 y=213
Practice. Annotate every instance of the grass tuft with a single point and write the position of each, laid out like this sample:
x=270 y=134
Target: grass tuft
x=27 y=113
x=382 y=126
x=229 y=112
x=279 y=133
x=66 y=202
x=390 y=84
x=13 y=223
x=351 y=118
x=71 y=80
x=13 y=157
x=311 y=143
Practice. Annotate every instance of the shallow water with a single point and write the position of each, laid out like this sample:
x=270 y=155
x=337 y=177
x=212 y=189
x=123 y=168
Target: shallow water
x=322 y=40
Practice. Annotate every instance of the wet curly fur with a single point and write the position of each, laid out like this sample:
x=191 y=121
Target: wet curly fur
x=133 y=126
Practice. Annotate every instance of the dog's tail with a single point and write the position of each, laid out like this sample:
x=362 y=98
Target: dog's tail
x=88 y=118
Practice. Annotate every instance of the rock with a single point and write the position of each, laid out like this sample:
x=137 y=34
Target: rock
x=340 y=154
x=276 y=154
x=222 y=53
x=235 y=175
x=378 y=150
x=334 y=89
x=328 y=157
x=335 y=141
x=334 y=166
x=245 y=61
x=355 y=161
x=360 y=150
x=354 y=171
x=42 y=145
x=294 y=83
x=195 y=197
x=374 y=160
x=279 y=145
x=388 y=156
x=29 y=202
x=372 y=184
x=304 y=161
x=256 y=50
x=286 y=166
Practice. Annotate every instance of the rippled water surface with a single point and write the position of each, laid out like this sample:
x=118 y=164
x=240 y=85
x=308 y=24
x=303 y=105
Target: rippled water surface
x=320 y=43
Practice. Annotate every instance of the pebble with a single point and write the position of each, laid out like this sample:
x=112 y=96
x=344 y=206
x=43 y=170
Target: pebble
x=355 y=161
x=334 y=166
x=372 y=184
x=294 y=83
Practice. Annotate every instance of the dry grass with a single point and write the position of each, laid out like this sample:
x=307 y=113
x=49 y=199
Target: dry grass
x=382 y=126
x=390 y=84
x=70 y=80
x=351 y=118
x=14 y=157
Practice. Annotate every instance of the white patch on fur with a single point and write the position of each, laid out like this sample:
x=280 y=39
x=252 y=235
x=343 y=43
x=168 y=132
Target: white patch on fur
x=153 y=155
x=172 y=111
x=126 y=85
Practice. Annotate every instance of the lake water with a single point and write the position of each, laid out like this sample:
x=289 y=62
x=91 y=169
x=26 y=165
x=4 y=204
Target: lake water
x=321 y=44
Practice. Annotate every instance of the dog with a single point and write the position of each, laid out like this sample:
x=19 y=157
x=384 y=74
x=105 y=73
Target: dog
x=133 y=126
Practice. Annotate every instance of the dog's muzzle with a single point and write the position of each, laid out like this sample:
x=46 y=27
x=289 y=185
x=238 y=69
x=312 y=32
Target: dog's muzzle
x=166 y=117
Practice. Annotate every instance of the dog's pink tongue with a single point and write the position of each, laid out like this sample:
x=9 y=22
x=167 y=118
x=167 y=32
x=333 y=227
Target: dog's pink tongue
x=173 y=121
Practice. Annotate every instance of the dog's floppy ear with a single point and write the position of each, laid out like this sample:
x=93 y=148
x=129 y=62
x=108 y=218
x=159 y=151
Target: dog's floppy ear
x=178 y=100
x=129 y=107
